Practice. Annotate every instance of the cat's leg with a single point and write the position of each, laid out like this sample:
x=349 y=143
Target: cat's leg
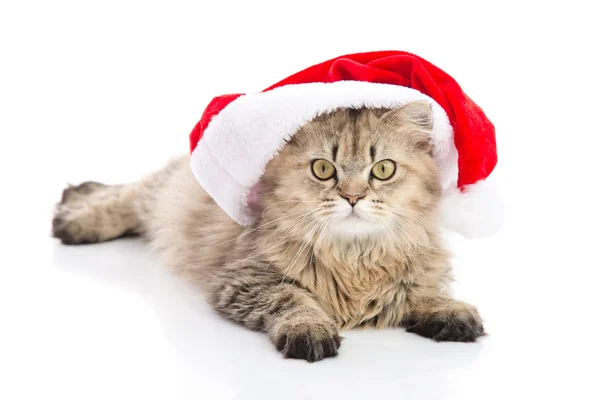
x=260 y=299
x=436 y=315
x=93 y=212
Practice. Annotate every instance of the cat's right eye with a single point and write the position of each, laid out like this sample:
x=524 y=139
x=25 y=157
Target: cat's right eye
x=323 y=169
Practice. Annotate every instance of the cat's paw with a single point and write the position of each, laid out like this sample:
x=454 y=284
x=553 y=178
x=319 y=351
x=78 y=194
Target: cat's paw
x=73 y=225
x=310 y=341
x=456 y=323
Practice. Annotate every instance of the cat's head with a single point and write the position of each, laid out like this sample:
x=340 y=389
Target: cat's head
x=352 y=174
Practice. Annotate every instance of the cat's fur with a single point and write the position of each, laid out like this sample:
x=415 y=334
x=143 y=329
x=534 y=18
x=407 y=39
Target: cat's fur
x=306 y=268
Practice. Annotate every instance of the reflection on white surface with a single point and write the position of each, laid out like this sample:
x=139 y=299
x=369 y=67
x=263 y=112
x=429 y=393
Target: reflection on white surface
x=219 y=352
x=107 y=321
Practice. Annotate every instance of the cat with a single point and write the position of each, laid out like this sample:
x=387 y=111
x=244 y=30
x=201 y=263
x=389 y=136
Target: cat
x=345 y=234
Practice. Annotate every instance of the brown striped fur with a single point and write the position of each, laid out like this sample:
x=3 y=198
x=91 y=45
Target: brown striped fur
x=305 y=269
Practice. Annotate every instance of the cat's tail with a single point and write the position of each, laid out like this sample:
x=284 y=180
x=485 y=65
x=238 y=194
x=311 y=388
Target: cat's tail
x=92 y=212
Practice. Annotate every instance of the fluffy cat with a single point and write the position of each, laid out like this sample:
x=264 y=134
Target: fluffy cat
x=345 y=234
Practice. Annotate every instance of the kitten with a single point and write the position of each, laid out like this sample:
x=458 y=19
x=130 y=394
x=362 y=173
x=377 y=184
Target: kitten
x=345 y=234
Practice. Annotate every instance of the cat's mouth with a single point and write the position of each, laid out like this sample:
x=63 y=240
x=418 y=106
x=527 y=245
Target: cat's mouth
x=353 y=215
x=354 y=223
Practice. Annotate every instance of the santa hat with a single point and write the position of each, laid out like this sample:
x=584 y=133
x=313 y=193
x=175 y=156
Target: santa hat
x=240 y=133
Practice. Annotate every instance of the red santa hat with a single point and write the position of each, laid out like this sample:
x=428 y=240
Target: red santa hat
x=240 y=133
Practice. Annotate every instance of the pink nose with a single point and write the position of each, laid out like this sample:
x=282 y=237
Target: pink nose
x=353 y=198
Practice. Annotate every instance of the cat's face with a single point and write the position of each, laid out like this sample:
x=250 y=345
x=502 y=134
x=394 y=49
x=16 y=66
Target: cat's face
x=354 y=173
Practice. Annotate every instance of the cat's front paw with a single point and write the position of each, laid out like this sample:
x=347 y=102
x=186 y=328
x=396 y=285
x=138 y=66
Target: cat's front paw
x=310 y=341
x=456 y=323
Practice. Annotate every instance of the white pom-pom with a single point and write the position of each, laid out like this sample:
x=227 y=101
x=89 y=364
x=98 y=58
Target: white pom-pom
x=476 y=211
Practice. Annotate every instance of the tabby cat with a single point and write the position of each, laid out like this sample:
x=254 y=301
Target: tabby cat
x=346 y=234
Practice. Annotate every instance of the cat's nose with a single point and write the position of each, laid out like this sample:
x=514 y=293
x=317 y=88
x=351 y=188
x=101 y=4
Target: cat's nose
x=353 y=198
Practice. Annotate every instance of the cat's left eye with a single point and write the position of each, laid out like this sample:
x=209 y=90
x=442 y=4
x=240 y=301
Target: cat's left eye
x=383 y=170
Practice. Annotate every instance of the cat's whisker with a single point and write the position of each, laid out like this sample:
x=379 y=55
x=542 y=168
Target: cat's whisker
x=307 y=245
x=258 y=228
x=286 y=229
x=283 y=238
x=409 y=234
x=288 y=201
x=394 y=239
x=301 y=250
x=405 y=213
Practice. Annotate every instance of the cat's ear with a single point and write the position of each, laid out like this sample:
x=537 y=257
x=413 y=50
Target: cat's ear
x=253 y=200
x=417 y=113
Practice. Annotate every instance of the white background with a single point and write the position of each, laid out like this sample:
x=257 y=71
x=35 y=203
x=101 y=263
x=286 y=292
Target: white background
x=109 y=90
